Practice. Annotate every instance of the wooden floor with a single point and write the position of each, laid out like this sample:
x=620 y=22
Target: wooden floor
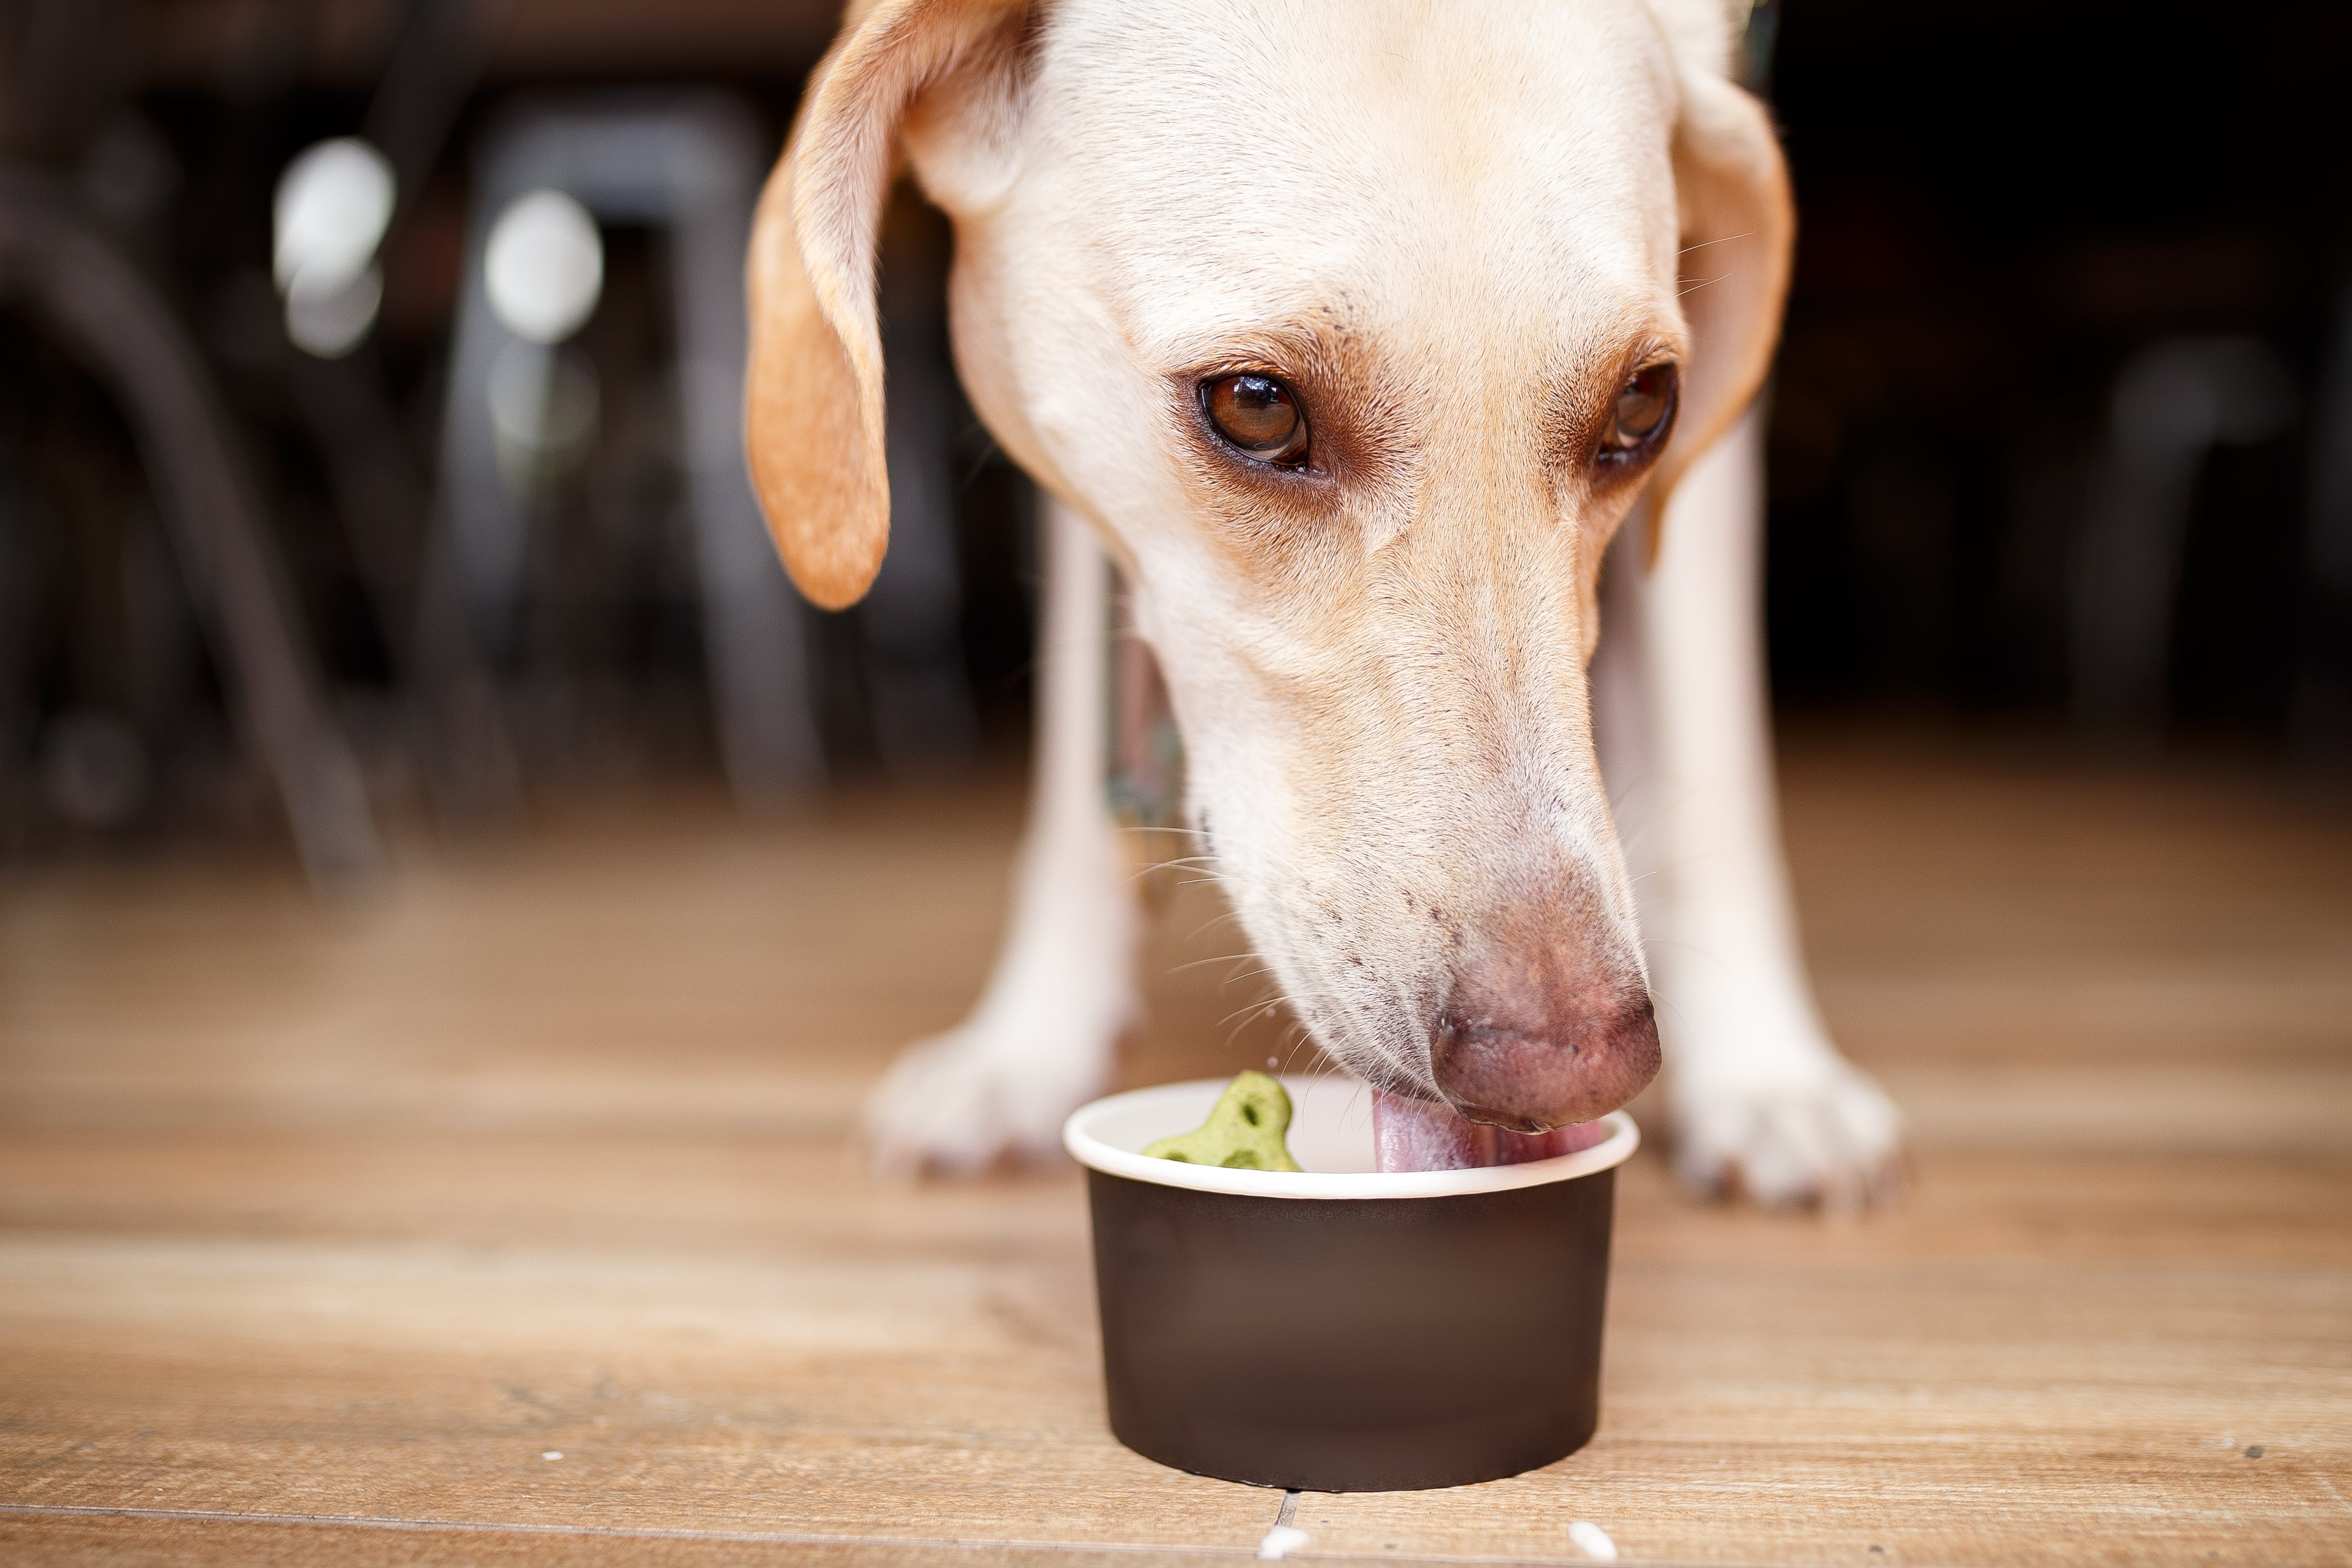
x=508 y=1219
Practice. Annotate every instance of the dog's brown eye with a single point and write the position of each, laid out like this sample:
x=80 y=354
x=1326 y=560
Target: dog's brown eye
x=1645 y=412
x=1259 y=414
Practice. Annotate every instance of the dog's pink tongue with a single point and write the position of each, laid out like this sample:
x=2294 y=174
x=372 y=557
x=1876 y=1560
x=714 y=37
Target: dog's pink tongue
x=1416 y=1135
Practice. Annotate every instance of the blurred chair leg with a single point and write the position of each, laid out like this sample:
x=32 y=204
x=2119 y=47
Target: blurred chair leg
x=2319 y=717
x=755 y=631
x=911 y=622
x=470 y=577
x=443 y=46
x=471 y=761
x=479 y=527
x=102 y=303
x=2172 y=403
x=24 y=581
x=463 y=745
x=690 y=165
x=923 y=713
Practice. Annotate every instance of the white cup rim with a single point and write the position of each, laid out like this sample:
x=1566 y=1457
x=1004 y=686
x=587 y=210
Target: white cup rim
x=1081 y=1135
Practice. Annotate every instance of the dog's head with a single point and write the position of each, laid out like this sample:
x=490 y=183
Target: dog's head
x=1357 y=329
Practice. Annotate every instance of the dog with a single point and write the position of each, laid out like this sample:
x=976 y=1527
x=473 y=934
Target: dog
x=1355 y=333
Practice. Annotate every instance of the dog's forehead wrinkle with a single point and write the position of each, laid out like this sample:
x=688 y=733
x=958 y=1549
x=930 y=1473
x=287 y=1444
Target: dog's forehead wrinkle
x=1517 y=150
x=1265 y=86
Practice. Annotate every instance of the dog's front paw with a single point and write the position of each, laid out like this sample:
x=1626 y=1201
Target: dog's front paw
x=961 y=1102
x=1825 y=1135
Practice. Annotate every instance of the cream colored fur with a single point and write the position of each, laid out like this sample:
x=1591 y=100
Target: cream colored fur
x=1460 y=225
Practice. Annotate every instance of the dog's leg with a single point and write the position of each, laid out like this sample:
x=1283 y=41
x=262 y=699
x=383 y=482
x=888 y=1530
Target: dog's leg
x=1039 y=1043
x=1759 y=1094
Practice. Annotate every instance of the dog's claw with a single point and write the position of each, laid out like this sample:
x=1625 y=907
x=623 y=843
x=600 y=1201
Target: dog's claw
x=1828 y=1137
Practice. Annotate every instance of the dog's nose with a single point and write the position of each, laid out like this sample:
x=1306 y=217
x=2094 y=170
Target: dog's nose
x=1534 y=1041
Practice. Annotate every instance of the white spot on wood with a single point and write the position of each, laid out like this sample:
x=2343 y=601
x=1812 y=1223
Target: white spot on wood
x=1280 y=1542
x=1592 y=1541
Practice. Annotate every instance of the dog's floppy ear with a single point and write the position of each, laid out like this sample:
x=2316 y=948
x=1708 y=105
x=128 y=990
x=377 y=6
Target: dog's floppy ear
x=1738 y=226
x=813 y=396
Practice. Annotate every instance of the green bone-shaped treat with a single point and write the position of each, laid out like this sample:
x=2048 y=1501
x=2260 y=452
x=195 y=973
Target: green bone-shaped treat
x=1244 y=1133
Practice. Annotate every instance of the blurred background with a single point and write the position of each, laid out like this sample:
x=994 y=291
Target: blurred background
x=367 y=380
x=2062 y=426
x=435 y=502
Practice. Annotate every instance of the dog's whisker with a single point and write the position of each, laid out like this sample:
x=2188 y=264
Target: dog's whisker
x=1212 y=924
x=1719 y=239
x=1201 y=963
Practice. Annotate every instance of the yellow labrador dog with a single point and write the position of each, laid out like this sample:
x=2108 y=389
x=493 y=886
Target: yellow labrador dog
x=1354 y=331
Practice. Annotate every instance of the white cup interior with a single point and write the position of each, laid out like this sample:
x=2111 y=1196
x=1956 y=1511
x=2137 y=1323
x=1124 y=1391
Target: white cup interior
x=1331 y=1136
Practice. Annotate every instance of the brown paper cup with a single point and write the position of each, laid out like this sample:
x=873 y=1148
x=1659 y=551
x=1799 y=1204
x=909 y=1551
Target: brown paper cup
x=1341 y=1329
